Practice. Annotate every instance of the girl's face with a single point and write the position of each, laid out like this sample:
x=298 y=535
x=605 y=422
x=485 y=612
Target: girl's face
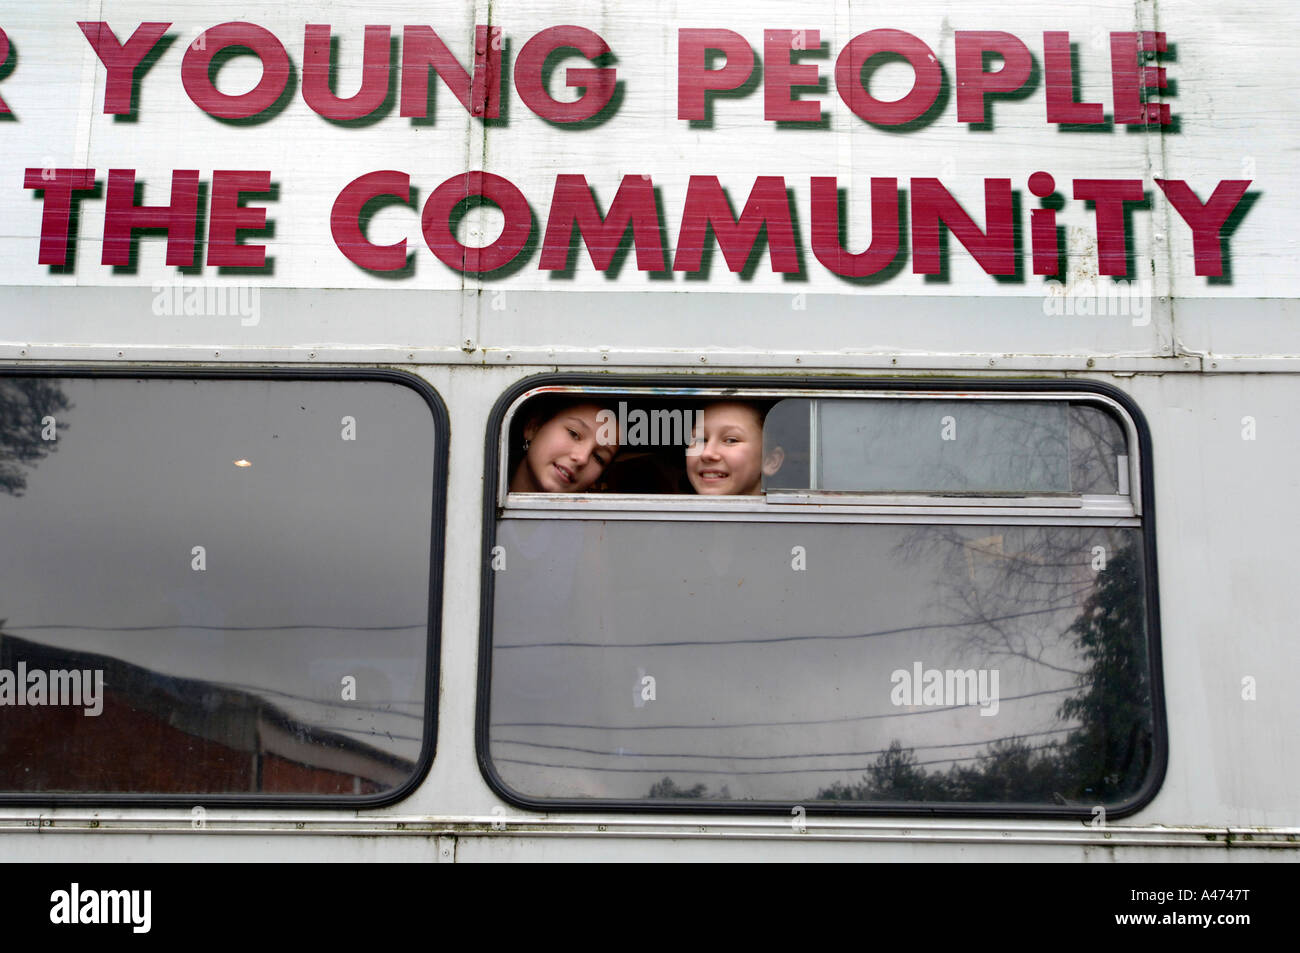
x=726 y=453
x=565 y=454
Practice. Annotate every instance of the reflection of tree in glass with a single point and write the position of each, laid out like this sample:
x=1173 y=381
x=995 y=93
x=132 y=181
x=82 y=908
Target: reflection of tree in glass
x=1021 y=447
x=1096 y=443
x=1106 y=754
x=894 y=777
x=1004 y=587
x=24 y=402
x=667 y=788
x=1010 y=771
x=1111 y=750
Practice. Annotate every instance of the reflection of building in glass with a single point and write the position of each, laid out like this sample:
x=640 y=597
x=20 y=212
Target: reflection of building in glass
x=160 y=734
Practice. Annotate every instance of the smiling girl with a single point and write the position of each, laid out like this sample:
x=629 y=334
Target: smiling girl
x=565 y=452
x=726 y=457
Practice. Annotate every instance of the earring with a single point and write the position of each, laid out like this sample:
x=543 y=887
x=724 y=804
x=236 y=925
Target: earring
x=527 y=444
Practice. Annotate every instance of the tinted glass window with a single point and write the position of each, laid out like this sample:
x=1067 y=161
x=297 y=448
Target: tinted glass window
x=214 y=586
x=949 y=446
x=903 y=663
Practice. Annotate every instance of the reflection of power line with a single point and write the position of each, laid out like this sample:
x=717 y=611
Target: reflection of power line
x=213 y=628
x=370 y=731
x=332 y=703
x=771 y=724
x=780 y=638
x=692 y=771
x=771 y=757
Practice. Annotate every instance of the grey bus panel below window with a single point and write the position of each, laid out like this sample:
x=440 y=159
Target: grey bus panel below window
x=215 y=587
x=838 y=663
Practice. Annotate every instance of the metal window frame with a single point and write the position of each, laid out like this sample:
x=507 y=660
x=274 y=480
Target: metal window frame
x=499 y=504
x=441 y=423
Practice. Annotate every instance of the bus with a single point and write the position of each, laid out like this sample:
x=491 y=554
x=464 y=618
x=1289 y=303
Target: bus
x=525 y=432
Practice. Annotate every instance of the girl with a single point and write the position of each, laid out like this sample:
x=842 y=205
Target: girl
x=565 y=452
x=726 y=456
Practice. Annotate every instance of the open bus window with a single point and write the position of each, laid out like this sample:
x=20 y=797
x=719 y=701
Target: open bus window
x=952 y=633
x=638 y=445
x=217 y=587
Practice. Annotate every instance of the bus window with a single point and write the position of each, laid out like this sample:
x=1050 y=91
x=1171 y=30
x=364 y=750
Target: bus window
x=870 y=636
x=951 y=446
x=218 y=587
